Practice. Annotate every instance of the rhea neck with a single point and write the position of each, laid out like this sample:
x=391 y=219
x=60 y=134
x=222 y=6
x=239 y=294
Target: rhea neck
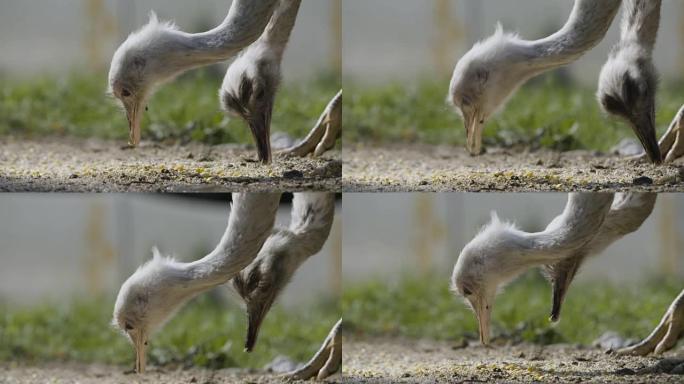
x=244 y=24
x=588 y=23
x=640 y=23
x=578 y=224
x=279 y=29
x=250 y=224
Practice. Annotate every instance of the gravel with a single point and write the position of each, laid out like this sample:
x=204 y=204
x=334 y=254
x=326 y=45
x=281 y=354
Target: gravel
x=74 y=165
x=72 y=373
x=387 y=360
x=404 y=168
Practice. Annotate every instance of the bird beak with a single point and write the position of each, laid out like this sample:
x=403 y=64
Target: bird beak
x=139 y=343
x=483 y=313
x=559 y=290
x=261 y=130
x=255 y=316
x=646 y=132
x=134 y=116
x=474 y=125
x=561 y=283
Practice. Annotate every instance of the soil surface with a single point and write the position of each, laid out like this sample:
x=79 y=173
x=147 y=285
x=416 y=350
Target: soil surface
x=73 y=165
x=54 y=373
x=406 y=168
x=411 y=361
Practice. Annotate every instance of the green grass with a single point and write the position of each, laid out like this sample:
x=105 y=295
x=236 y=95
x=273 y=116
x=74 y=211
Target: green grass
x=543 y=113
x=203 y=334
x=187 y=109
x=424 y=307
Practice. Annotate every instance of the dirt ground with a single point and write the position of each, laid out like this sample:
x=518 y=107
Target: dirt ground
x=105 y=166
x=444 y=168
x=54 y=373
x=410 y=361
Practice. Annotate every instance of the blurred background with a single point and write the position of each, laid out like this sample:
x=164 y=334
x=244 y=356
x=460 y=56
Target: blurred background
x=65 y=256
x=399 y=56
x=396 y=280
x=67 y=35
x=56 y=56
x=413 y=38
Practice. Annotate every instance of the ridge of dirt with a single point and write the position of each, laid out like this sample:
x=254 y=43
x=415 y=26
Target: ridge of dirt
x=384 y=360
x=92 y=165
x=11 y=373
x=407 y=168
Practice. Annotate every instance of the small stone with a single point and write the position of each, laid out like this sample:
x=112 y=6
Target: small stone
x=293 y=174
x=643 y=180
x=678 y=370
x=625 y=371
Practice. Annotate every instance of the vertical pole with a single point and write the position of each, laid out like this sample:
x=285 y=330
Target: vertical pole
x=100 y=27
x=681 y=33
x=126 y=17
x=336 y=36
x=100 y=253
x=424 y=249
x=668 y=236
x=448 y=34
x=336 y=253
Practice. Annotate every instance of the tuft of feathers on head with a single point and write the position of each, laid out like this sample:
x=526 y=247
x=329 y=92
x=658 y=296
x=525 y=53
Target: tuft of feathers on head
x=150 y=31
x=495 y=225
x=155 y=23
x=155 y=253
x=494 y=43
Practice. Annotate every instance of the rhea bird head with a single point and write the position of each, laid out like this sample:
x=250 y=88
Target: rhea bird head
x=494 y=257
x=263 y=280
x=147 y=299
x=248 y=92
x=485 y=77
x=627 y=88
x=145 y=60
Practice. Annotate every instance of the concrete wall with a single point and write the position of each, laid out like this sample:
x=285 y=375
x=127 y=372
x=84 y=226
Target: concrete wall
x=38 y=36
x=58 y=246
x=390 y=40
x=388 y=234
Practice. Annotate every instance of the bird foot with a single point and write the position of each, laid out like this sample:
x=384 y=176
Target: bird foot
x=672 y=142
x=326 y=362
x=666 y=334
x=324 y=134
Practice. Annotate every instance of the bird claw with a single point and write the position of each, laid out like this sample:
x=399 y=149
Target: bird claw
x=672 y=142
x=326 y=362
x=666 y=334
x=324 y=134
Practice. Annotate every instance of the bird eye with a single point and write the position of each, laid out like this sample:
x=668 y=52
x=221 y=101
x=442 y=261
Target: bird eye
x=128 y=326
x=125 y=92
x=467 y=292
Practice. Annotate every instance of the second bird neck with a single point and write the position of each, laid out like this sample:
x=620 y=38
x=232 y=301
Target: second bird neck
x=250 y=224
x=640 y=22
x=587 y=25
x=279 y=29
x=245 y=23
x=581 y=220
